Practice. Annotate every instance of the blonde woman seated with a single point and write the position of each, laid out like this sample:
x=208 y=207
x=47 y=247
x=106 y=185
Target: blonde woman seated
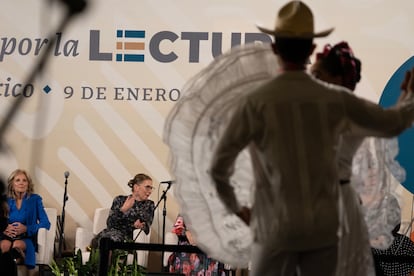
x=26 y=216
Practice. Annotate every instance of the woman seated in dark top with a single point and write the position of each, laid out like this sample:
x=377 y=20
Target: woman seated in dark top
x=131 y=212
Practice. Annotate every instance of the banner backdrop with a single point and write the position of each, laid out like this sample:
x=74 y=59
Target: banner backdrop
x=97 y=109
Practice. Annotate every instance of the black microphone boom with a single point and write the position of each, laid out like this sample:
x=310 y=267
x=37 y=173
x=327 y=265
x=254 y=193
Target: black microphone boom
x=75 y=6
x=66 y=174
x=168 y=182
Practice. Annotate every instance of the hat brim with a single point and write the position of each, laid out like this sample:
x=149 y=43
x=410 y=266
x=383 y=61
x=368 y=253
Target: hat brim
x=295 y=35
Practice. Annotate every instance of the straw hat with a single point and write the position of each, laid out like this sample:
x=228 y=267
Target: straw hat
x=295 y=20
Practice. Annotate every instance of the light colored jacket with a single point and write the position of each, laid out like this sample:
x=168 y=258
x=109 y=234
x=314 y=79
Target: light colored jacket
x=292 y=126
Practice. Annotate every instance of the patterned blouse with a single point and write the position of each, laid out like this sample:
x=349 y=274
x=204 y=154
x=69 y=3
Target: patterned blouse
x=397 y=260
x=120 y=226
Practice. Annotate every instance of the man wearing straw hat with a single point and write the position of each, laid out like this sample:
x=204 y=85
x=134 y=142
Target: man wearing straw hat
x=292 y=126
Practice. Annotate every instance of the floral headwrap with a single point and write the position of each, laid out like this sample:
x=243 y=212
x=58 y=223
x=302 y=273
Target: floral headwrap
x=340 y=60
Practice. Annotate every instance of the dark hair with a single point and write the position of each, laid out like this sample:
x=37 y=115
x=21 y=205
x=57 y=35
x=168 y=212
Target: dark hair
x=339 y=60
x=138 y=179
x=295 y=50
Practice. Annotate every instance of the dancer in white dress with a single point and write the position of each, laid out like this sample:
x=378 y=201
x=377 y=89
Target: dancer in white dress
x=370 y=163
x=338 y=65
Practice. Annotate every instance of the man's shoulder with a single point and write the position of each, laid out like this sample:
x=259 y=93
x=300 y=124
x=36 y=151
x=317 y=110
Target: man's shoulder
x=330 y=87
x=298 y=87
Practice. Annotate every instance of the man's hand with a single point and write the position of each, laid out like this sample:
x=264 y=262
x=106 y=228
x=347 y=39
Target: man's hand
x=244 y=214
x=407 y=85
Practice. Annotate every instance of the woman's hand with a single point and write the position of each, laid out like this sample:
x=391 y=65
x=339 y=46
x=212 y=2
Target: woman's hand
x=19 y=228
x=15 y=229
x=10 y=231
x=129 y=202
x=407 y=86
x=139 y=224
x=178 y=230
x=190 y=238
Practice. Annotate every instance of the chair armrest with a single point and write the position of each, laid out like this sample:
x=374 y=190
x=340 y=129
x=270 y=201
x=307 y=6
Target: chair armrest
x=83 y=239
x=142 y=237
x=41 y=245
x=46 y=239
x=142 y=254
x=170 y=238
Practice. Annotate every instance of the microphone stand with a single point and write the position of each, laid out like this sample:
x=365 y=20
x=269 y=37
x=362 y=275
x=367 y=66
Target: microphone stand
x=164 y=214
x=62 y=220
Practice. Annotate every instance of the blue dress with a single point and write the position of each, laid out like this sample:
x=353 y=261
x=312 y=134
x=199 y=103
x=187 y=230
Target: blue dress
x=33 y=215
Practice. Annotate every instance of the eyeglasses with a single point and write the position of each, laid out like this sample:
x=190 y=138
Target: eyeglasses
x=149 y=188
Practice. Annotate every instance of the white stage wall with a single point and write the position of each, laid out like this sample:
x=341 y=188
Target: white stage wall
x=103 y=118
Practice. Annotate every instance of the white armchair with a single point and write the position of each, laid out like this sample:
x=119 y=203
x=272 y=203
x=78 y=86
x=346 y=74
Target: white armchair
x=46 y=239
x=142 y=254
x=45 y=243
x=170 y=238
x=83 y=237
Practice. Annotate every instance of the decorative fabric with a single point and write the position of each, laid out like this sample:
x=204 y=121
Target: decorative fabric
x=192 y=130
x=374 y=167
x=354 y=251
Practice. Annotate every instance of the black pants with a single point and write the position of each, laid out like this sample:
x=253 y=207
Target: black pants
x=7 y=264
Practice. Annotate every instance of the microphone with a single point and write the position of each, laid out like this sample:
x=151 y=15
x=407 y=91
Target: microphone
x=66 y=174
x=168 y=182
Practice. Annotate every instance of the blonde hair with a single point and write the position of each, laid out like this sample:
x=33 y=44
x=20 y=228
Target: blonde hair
x=10 y=180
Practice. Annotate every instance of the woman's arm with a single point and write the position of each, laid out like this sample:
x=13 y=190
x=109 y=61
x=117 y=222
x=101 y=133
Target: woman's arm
x=148 y=216
x=37 y=214
x=116 y=215
x=190 y=238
